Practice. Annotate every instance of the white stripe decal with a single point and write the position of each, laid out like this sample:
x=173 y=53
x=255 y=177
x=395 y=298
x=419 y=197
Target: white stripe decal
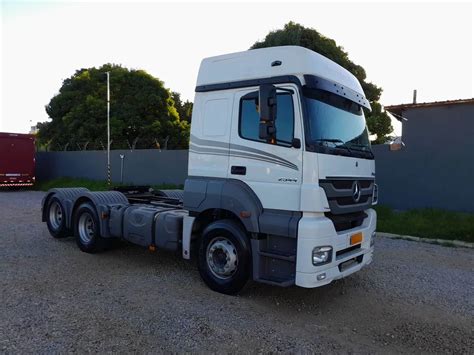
x=233 y=152
x=252 y=152
x=236 y=153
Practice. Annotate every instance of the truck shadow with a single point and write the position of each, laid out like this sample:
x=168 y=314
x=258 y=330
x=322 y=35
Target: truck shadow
x=161 y=264
x=298 y=298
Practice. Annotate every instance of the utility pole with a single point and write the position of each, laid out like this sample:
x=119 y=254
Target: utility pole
x=108 y=128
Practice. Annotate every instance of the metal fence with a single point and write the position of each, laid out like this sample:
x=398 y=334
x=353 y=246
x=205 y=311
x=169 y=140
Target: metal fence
x=139 y=167
x=115 y=144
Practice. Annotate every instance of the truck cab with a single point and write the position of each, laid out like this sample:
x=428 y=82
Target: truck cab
x=281 y=178
x=307 y=190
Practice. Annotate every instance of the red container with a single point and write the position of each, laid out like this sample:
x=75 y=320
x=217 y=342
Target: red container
x=17 y=159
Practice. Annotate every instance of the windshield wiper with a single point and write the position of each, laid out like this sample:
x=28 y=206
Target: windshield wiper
x=335 y=140
x=368 y=150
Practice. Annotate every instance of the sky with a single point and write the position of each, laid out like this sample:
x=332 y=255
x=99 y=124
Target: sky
x=402 y=46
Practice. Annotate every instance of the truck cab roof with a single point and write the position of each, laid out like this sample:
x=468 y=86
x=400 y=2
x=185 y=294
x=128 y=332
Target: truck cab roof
x=287 y=60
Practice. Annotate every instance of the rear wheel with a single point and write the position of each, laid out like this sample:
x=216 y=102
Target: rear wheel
x=225 y=257
x=56 y=218
x=86 y=229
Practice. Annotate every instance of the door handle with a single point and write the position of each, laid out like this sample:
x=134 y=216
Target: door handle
x=238 y=170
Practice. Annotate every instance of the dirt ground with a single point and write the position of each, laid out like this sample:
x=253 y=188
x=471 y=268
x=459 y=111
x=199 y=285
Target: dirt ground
x=414 y=297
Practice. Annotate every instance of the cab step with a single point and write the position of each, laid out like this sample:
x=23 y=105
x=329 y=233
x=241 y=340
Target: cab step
x=278 y=255
x=277 y=281
x=274 y=260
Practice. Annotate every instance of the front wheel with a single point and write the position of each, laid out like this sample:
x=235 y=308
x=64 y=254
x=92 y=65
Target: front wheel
x=225 y=257
x=86 y=229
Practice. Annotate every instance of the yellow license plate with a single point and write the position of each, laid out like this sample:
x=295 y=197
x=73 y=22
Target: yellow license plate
x=356 y=238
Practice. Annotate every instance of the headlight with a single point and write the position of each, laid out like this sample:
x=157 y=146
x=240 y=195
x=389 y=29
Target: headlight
x=322 y=255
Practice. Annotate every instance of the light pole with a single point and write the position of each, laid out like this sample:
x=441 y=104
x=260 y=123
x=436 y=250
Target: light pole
x=121 y=167
x=108 y=128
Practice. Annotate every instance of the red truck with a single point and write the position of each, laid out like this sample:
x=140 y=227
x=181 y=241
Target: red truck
x=17 y=159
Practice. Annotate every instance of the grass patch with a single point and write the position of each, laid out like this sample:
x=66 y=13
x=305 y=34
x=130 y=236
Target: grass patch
x=93 y=185
x=427 y=223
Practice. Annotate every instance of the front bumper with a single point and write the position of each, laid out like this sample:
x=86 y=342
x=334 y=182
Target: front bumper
x=316 y=230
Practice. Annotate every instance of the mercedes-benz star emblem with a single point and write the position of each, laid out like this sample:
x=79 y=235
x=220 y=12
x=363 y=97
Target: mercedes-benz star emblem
x=356 y=191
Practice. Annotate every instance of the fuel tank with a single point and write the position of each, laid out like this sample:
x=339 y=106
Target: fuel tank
x=148 y=225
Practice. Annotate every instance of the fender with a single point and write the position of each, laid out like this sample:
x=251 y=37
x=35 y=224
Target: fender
x=66 y=196
x=204 y=193
x=102 y=201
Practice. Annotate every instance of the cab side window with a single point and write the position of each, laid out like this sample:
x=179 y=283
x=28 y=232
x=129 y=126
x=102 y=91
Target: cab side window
x=249 y=118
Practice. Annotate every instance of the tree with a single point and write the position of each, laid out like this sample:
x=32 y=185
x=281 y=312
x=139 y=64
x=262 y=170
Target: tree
x=185 y=109
x=142 y=112
x=378 y=122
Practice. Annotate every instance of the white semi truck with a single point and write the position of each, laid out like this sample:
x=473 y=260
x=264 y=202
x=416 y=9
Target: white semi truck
x=281 y=178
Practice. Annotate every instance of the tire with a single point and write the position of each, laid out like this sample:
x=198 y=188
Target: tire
x=87 y=231
x=224 y=259
x=56 y=218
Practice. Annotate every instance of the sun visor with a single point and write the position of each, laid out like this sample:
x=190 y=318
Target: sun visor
x=315 y=82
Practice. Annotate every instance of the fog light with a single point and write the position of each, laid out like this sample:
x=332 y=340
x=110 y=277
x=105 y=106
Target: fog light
x=322 y=255
x=372 y=239
x=375 y=195
x=321 y=276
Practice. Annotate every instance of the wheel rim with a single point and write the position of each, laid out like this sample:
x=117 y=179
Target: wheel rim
x=222 y=257
x=86 y=228
x=55 y=215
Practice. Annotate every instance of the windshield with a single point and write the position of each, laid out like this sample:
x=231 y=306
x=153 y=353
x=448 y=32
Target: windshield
x=336 y=122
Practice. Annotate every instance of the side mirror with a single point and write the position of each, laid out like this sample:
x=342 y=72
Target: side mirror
x=267 y=98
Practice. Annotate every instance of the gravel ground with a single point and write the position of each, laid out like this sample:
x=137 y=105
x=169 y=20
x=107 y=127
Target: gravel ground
x=415 y=297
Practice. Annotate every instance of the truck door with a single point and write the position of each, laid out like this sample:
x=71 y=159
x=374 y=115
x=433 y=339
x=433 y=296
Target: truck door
x=273 y=171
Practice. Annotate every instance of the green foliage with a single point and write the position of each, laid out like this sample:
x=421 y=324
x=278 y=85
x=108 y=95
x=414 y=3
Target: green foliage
x=378 y=122
x=185 y=109
x=427 y=223
x=142 y=110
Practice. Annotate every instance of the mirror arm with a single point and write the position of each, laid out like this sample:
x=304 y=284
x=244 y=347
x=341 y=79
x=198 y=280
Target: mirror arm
x=268 y=105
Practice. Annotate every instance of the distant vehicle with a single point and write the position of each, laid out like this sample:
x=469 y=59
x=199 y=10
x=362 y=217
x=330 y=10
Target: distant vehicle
x=281 y=178
x=17 y=159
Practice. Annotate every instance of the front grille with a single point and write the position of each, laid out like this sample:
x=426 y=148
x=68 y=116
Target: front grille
x=346 y=201
x=339 y=193
x=343 y=222
x=347 y=184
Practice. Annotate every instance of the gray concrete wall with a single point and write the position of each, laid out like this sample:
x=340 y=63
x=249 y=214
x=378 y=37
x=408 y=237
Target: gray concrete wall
x=147 y=166
x=436 y=167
